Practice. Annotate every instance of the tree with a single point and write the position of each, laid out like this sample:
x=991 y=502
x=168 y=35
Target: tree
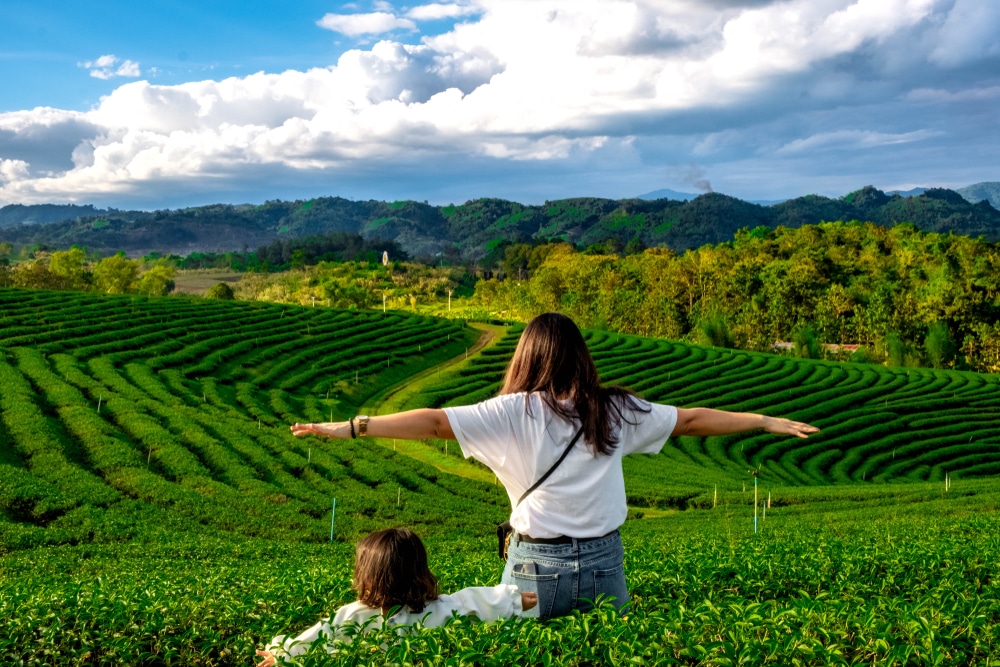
x=35 y=274
x=220 y=291
x=115 y=274
x=158 y=280
x=715 y=331
x=939 y=345
x=896 y=349
x=69 y=265
x=806 y=345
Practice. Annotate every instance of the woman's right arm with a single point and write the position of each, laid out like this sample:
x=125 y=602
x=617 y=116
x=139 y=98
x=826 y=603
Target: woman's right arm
x=410 y=425
x=705 y=421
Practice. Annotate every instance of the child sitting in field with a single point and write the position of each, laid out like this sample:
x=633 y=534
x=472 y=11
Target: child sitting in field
x=390 y=572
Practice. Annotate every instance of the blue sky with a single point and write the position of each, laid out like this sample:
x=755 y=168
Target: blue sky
x=167 y=104
x=45 y=43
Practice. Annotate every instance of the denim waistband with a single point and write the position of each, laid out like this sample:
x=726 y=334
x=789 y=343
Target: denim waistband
x=585 y=543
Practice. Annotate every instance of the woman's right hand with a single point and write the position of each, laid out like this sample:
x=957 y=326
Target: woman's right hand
x=528 y=601
x=326 y=429
x=269 y=659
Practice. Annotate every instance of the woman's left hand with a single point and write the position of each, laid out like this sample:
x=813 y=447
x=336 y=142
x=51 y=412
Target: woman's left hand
x=269 y=659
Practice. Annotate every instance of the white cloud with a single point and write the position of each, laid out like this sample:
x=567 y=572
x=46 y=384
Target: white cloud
x=13 y=170
x=437 y=10
x=848 y=139
x=104 y=67
x=537 y=81
x=375 y=23
x=128 y=68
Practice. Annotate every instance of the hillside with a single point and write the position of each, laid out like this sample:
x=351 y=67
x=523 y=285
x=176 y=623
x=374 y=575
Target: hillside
x=173 y=412
x=155 y=510
x=118 y=414
x=478 y=226
x=878 y=424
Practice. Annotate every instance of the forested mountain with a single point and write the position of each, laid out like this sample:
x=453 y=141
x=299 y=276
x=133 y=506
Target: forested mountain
x=979 y=191
x=479 y=226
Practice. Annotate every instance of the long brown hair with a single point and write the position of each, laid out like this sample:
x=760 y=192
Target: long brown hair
x=552 y=358
x=391 y=571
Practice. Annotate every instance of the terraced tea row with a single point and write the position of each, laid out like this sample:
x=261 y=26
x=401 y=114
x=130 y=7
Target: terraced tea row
x=182 y=405
x=176 y=411
x=878 y=424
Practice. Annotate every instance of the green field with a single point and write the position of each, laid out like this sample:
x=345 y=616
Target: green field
x=154 y=508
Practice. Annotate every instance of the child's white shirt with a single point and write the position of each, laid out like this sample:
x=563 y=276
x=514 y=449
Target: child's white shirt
x=485 y=603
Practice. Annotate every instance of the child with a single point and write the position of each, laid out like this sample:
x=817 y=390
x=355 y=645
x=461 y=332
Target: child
x=391 y=571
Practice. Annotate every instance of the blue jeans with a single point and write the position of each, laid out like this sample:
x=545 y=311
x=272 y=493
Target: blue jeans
x=568 y=576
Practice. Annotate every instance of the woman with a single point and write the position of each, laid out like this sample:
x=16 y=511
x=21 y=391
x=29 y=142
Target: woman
x=565 y=546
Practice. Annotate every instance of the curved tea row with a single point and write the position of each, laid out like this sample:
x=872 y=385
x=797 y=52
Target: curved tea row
x=878 y=424
x=174 y=412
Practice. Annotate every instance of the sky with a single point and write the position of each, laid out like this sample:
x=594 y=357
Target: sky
x=174 y=103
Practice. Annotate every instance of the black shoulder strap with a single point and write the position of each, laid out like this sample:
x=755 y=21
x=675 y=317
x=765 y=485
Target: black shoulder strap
x=552 y=469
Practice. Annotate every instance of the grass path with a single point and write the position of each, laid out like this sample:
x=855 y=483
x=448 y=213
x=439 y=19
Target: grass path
x=427 y=451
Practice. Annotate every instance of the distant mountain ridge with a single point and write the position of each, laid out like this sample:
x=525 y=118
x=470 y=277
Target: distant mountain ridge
x=980 y=191
x=667 y=193
x=482 y=226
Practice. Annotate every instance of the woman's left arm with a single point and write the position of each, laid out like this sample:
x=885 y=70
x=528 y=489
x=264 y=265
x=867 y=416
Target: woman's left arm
x=410 y=425
x=705 y=421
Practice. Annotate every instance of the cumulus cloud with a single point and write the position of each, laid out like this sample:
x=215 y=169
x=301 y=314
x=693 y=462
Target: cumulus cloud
x=13 y=170
x=110 y=66
x=375 y=23
x=650 y=82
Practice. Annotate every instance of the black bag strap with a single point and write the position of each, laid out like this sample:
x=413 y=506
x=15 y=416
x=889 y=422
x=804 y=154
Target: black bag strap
x=552 y=469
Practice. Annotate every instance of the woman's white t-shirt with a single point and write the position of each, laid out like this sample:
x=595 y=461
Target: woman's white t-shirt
x=519 y=437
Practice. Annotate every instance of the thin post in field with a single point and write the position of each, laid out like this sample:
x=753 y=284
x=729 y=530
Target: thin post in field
x=333 y=517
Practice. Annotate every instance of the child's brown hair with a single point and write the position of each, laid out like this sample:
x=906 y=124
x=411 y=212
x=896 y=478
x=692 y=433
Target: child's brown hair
x=391 y=570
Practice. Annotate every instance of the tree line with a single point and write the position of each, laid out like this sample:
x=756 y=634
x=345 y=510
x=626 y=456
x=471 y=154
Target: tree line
x=76 y=269
x=295 y=253
x=905 y=297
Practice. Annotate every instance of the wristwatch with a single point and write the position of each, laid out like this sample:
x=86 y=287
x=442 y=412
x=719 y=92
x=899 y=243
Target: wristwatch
x=362 y=425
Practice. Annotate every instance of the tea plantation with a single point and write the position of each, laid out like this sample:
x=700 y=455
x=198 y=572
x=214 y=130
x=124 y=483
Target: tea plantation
x=154 y=508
